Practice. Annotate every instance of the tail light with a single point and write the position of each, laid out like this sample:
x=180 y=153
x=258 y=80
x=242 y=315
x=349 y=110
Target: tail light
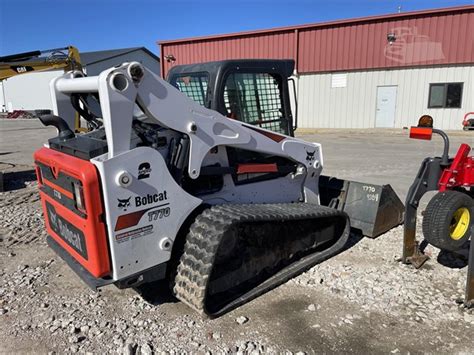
x=79 y=196
x=39 y=176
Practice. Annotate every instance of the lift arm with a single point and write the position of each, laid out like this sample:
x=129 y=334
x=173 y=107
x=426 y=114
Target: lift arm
x=121 y=87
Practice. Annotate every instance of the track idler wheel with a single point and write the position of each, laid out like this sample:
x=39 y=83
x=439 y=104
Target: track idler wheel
x=448 y=221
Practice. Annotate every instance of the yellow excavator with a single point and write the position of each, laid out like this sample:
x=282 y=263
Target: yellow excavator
x=66 y=58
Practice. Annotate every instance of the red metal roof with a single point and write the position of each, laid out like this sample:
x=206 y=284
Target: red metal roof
x=429 y=37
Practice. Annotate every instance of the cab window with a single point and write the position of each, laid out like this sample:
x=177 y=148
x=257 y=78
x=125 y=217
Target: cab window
x=255 y=98
x=193 y=85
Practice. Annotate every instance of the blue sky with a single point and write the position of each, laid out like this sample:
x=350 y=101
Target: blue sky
x=27 y=25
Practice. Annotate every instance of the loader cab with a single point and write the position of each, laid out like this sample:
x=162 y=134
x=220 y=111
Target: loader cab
x=253 y=91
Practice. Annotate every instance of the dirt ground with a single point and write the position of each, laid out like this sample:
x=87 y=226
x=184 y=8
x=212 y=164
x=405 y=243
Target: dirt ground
x=360 y=301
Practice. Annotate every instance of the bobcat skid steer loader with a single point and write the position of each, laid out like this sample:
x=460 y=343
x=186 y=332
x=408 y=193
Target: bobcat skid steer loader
x=167 y=188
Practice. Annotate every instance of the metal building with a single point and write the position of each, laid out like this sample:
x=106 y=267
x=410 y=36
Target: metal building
x=382 y=71
x=31 y=91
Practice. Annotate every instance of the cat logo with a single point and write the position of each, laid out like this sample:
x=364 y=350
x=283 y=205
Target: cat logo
x=20 y=69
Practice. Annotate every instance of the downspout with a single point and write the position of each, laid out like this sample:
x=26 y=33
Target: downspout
x=296 y=50
x=162 y=62
x=4 y=105
x=295 y=76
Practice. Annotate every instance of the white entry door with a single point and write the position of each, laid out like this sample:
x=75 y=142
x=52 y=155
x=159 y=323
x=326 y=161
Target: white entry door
x=386 y=102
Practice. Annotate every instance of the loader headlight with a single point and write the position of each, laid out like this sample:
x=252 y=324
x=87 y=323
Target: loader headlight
x=79 y=196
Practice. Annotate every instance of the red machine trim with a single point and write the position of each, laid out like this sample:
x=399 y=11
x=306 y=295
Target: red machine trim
x=92 y=226
x=257 y=168
x=130 y=219
x=273 y=136
x=460 y=172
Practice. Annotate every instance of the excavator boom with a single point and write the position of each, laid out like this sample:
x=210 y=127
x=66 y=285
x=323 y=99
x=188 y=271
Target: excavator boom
x=66 y=58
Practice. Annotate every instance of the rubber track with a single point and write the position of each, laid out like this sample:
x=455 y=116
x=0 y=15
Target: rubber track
x=204 y=237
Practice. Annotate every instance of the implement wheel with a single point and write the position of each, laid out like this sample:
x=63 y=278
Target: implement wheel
x=448 y=220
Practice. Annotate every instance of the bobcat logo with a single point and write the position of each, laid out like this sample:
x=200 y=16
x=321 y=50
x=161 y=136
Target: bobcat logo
x=310 y=156
x=124 y=203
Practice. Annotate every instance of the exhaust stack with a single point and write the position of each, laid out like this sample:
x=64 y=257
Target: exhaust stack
x=64 y=132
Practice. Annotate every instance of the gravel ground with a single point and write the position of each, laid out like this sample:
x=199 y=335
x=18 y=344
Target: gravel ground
x=360 y=301
x=365 y=291
x=22 y=218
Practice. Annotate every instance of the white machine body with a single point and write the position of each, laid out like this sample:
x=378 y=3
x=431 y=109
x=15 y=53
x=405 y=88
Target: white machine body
x=144 y=205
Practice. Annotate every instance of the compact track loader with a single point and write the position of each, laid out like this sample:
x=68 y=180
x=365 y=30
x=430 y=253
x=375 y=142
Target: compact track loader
x=168 y=188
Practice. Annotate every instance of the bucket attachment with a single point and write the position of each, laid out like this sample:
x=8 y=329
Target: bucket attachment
x=373 y=209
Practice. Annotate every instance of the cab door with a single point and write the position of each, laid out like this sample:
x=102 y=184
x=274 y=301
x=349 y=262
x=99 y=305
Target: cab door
x=257 y=98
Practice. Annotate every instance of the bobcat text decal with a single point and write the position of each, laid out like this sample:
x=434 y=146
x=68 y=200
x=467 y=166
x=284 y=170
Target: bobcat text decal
x=68 y=232
x=150 y=198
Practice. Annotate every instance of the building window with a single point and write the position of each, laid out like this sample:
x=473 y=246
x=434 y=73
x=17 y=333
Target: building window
x=445 y=95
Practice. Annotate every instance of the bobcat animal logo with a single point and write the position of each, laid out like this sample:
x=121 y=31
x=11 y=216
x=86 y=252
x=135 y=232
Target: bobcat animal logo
x=124 y=203
x=310 y=156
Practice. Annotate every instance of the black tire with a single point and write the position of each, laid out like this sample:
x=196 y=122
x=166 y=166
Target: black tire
x=441 y=217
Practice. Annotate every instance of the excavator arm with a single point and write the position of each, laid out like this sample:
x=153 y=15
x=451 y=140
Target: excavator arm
x=36 y=61
x=66 y=58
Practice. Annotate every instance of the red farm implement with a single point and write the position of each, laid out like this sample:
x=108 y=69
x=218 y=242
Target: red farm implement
x=448 y=221
x=468 y=121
